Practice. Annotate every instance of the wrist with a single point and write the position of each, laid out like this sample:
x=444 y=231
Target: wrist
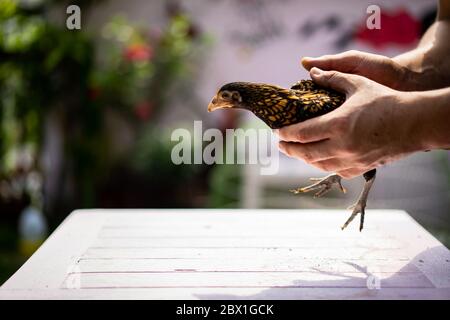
x=410 y=123
x=409 y=74
x=427 y=119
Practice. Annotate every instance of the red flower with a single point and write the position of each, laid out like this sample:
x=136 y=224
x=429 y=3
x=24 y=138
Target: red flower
x=143 y=110
x=399 y=27
x=138 y=52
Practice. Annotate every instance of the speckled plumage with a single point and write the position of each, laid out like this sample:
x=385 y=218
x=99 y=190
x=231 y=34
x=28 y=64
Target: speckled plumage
x=279 y=107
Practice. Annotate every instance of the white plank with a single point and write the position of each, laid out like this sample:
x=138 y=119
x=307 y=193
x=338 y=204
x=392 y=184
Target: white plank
x=242 y=279
x=250 y=242
x=227 y=231
x=240 y=253
x=244 y=264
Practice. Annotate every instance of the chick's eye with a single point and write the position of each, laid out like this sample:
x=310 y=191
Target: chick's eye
x=225 y=95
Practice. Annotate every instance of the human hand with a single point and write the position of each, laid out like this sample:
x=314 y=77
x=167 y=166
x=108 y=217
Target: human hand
x=371 y=128
x=378 y=68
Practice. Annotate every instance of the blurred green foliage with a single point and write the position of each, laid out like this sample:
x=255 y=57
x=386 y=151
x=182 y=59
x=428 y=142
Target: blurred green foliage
x=152 y=154
x=44 y=69
x=41 y=65
x=30 y=51
x=225 y=186
x=78 y=80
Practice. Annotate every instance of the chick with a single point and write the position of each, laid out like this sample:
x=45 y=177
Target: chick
x=279 y=107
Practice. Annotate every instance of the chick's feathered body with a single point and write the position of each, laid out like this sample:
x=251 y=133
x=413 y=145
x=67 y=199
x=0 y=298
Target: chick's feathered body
x=279 y=107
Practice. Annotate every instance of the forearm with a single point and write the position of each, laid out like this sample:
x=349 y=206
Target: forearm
x=413 y=58
x=427 y=39
x=428 y=65
x=429 y=114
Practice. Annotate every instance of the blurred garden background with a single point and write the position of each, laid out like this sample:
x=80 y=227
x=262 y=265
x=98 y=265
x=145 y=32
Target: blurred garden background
x=86 y=115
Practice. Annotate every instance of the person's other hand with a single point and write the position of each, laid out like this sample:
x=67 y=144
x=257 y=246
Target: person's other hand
x=378 y=68
x=371 y=128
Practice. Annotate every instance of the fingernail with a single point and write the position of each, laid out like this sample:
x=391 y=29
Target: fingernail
x=305 y=60
x=316 y=71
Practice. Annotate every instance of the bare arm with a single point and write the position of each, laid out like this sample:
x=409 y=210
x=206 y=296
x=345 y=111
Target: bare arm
x=426 y=67
x=443 y=14
x=429 y=63
x=433 y=129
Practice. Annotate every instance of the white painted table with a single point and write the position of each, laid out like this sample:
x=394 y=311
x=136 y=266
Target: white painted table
x=234 y=254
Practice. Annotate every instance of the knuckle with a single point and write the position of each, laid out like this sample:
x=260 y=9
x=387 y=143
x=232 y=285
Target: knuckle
x=281 y=147
x=333 y=76
x=362 y=162
x=353 y=52
x=351 y=147
x=282 y=135
x=345 y=174
x=307 y=157
x=353 y=56
x=317 y=165
x=326 y=57
x=356 y=59
x=290 y=134
x=389 y=63
x=324 y=166
x=301 y=136
x=358 y=163
x=287 y=150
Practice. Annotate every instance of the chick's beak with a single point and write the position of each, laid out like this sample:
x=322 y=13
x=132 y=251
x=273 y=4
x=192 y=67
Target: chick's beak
x=218 y=103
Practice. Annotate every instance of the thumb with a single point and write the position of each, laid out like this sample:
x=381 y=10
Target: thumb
x=342 y=82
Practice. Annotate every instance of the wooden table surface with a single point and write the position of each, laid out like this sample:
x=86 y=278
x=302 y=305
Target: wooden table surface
x=234 y=254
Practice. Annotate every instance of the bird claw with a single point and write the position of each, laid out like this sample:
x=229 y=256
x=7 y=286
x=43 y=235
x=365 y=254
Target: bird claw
x=324 y=185
x=358 y=207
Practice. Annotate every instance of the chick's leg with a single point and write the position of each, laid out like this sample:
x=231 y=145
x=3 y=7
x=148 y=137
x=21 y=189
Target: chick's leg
x=323 y=185
x=360 y=205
